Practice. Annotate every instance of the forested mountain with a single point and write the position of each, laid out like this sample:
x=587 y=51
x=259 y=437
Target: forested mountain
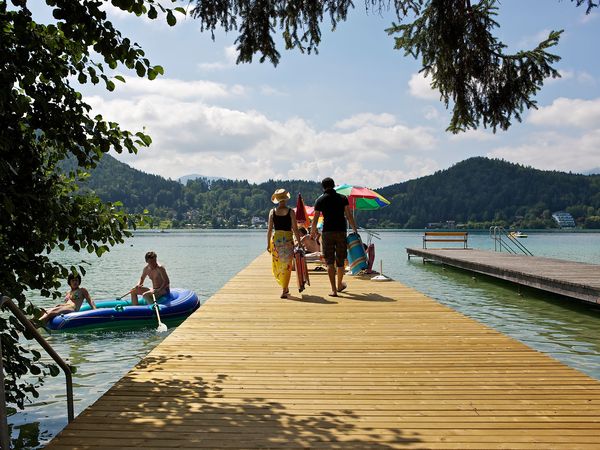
x=481 y=191
x=476 y=193
x=115 y=181
x=203 y=202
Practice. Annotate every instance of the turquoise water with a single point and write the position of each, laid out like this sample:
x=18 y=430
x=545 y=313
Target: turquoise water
x=204 y=260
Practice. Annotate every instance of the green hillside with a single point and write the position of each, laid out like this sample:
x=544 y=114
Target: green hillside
x=114 y=181
x=203 y=202
x=477 y=192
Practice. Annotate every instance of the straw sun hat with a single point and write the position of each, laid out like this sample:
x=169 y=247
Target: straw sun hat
x=280 y=195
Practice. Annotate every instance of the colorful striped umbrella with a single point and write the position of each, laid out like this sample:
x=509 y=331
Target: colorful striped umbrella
x=361 y=198
x=310 y=214
x=310 y=210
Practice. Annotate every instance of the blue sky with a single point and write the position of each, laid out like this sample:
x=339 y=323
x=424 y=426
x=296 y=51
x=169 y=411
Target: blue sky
x=358 y=111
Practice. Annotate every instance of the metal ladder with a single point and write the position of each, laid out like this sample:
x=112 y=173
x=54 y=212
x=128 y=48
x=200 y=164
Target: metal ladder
x=21 y=317
x=503 y=241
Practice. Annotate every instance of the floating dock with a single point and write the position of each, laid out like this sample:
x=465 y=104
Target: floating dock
x=569 y=278
x=380 y=367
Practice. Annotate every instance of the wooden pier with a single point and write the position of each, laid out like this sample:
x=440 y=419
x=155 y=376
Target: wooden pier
x=568 y=278
x=382 y=366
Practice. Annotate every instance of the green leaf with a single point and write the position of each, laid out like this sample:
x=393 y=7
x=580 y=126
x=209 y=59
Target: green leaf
x=171 y=20
x=147 y=140
x=101 y=250
x=140 y=69
x=54 y=370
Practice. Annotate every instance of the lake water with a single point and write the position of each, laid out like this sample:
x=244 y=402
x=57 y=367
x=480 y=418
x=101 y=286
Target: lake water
x=203 y=260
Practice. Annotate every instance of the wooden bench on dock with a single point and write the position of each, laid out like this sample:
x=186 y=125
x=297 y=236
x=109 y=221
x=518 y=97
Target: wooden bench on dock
x=445 y=236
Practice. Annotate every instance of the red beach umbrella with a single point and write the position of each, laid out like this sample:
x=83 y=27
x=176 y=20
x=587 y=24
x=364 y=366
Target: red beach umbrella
x=301 y=214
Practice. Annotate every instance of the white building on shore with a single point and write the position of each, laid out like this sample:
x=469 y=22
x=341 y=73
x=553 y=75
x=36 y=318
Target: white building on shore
x=564 y=219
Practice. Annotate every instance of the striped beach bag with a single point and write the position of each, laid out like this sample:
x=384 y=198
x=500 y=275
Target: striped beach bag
x=301 y=269
x=357 y=258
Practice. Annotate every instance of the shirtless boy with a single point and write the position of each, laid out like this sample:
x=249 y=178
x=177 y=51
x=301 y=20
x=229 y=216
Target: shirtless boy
x=158 y=276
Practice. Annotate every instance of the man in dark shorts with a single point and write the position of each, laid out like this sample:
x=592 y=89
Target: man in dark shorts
x=335 y=209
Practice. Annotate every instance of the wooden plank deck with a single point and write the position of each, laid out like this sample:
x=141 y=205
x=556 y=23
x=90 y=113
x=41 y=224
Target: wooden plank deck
x=380 y=367
x=568 y=278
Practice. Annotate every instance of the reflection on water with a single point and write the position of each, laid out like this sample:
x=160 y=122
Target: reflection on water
x=205 y=260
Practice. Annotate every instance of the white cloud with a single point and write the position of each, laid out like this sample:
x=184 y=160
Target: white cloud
x=533 y=40
x=577 y=151
x=180 y=89
x=564 y=76
x=584 y=77
x=229 y=60
x=568 y=112
x=363 y=119
x=192 y=136
x=115 y=13
x=271 y=91
x=431 y=113
x=479 y=134
x=352 y=172
x=553 y=151
x=420 y=87
x=580 y=76
x=587 y=18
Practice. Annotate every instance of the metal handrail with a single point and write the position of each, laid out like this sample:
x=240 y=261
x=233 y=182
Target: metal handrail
x=372 y=234
x=5 y=301
x=4 y=438
x=511 y=244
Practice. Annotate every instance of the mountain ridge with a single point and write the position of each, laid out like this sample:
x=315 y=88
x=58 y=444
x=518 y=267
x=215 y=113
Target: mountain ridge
x=475 y=192
x=194 y=176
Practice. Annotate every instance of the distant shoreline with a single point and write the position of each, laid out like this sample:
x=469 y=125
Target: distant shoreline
x=379 y=230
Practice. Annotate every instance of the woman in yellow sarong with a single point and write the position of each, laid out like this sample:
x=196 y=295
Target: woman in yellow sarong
x=280 y=241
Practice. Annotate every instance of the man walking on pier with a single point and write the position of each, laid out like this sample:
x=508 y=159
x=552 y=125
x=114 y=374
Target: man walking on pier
x=335 y=209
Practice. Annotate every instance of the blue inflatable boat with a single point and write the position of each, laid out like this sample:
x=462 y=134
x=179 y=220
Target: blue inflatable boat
x=120 y=314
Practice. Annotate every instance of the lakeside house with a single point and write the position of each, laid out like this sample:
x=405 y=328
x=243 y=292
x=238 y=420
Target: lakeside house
x=258 y=222
x=564 y=219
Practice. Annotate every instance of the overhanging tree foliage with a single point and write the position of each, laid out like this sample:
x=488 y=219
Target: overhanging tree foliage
x=453 y=38
x=43 y=121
